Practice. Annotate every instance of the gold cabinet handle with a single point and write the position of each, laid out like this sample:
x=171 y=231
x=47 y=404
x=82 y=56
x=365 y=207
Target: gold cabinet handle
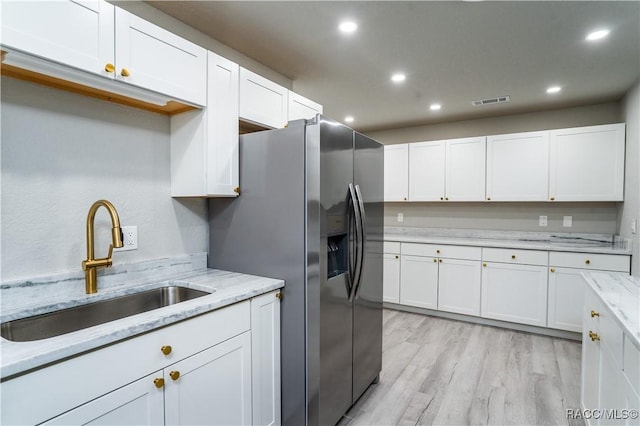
x=441 y=198
x=513 y=256
x=587 y=261
x=440 y=260
x=166 y=349
x=438 y=251
x=397 y=257
x=594 y=314
x=552 y=269
x=237 y=190
x=404 y=198
x=484 y=265
x=109 y=68
x=488 y=198
x=159 y=382
x=552 y=198
x=125 y=72
x=435 y=260
x=279 y=295
x=446 y=198
x=593 y=336
x=175 y=375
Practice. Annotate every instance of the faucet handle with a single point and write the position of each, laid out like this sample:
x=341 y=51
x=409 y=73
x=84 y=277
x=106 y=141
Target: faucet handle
x=110 y=253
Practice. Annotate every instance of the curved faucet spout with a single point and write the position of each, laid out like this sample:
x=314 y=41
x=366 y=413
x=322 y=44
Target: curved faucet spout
x=90 y=265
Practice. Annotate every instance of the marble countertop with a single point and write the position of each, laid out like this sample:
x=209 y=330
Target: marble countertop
x=581 y=243
x=621 y=294
x=226 y=287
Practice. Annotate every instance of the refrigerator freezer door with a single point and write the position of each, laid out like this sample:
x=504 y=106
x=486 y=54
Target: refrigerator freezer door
x=336 y=173
x=367 y=308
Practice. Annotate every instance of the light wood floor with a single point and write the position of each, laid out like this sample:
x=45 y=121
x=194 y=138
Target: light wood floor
x=444 y=372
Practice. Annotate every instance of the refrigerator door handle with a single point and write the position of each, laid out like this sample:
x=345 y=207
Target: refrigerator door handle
x=363 y=239
x=355 y=275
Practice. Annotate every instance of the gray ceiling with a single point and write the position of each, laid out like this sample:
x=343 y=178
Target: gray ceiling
x=453 y=52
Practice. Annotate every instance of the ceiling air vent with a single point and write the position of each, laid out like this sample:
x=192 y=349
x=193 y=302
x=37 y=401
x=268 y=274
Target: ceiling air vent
x=490 y=101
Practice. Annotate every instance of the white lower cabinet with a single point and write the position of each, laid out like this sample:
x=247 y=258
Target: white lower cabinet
x=419 y=281
x=212 y=387
x=138 y=403
x=391 y=278
x=459 y=286
x=515 y=293
x=219 y=368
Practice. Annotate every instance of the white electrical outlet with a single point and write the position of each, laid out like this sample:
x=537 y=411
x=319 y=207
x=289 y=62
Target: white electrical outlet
x=129 y=238
x=400 y=217
x=542 y=221
x=567 y=221
x=634 y=226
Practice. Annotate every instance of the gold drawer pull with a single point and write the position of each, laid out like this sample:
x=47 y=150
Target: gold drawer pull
x=552 y=269
x=552 y=198
x=488 y=198
x=109 y=68
x=484 y=265
x=237 y=190
x=441 y=198
x=435 y=260
x=440 y=260
x=594 y=314
x=513 y=256
x=175 y=375
x=593 y=336
x=438 y=251
x=159 y=382
x=279 y=295
x=125 y=72
x=587 y=261
x=166 y=349
x=397 y=257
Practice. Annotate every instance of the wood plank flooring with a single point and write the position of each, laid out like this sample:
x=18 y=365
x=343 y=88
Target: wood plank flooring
x=437 y=371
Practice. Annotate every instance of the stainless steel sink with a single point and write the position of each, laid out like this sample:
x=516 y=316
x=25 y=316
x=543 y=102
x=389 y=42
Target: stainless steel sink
x=73 y=319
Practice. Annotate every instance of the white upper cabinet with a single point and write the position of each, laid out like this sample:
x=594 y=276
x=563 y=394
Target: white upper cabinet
x=587 y=163
x=426 y=171
x=465 y=169
x=204 y=143
x=77 y=34
x=85 y=40
x=262 y=101
x=518 y=167
x=396 y=161
x=150 y=57
x=301 y=107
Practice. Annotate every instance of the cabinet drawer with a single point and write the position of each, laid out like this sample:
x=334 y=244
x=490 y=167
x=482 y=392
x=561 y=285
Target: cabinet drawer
x=391 y=247
x=439 y=250
x=525 y=257
x=631 y=363
x=605 y=262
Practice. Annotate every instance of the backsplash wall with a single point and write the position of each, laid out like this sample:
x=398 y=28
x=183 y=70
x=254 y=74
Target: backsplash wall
x=60 y=153
x=597 y=218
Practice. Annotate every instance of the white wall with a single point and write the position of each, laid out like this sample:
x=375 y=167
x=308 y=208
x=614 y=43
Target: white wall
x=60 y=153
x=631 y=208
x=587 y=217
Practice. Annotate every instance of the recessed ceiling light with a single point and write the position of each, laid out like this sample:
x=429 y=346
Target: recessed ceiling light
x=597 y=35
x=348 y=119
x=554 y=89
x=398 y=77
x=435 y=107
x=348 y=27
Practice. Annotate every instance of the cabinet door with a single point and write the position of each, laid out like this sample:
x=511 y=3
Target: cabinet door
x=516 y=293
x=465 y=169
x=518 y=167
x=301 y=107
x=265 y=359
x=262 y=101
x=213 y=387
x=138 y=403
x=426 y=171
x=150 y=57
x=566 y=298
x=611 y=380
x=419 y=281
x=396 y=172
x=75 y=33
x=630 y=402
x=459 y=286
x=391 y=278
x=587 y=163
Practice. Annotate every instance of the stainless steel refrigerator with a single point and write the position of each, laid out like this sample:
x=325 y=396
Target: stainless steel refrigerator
x=311 y=212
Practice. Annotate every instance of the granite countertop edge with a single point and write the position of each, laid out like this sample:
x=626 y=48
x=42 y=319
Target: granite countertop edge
x=230 y=288
x=576 y=247
x=620 y=293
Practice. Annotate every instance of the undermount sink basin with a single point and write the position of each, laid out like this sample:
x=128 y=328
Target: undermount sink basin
x=72 y=319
